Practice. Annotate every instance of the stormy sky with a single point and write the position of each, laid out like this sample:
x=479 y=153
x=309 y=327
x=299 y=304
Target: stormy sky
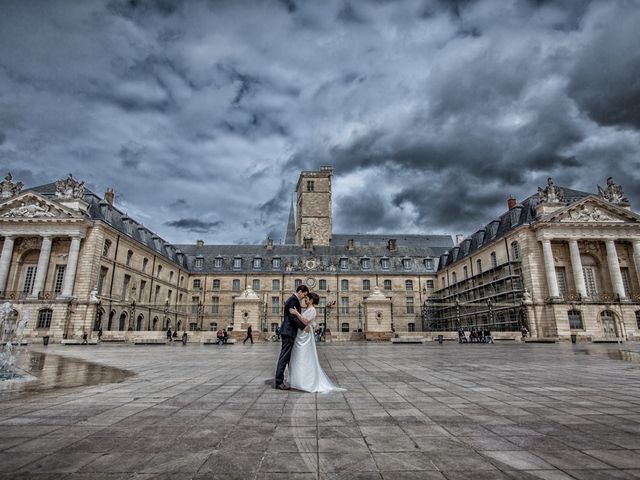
x=201 y=113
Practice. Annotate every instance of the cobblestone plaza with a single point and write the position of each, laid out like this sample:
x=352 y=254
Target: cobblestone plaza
x=410 y=411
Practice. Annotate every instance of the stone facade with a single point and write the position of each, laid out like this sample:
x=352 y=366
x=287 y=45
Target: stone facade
x=313 y=193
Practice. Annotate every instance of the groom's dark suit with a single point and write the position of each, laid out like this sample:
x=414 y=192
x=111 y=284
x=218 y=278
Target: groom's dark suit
x=288 y=331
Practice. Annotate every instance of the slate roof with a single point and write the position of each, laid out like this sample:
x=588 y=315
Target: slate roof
x=522 y=214
x=99 y=209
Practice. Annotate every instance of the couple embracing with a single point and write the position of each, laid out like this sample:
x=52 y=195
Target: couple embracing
x=299 y=347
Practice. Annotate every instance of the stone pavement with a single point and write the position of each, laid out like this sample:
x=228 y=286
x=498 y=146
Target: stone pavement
x=506 y=411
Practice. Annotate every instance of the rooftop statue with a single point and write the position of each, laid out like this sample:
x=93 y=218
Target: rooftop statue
x=551 y=193
x=613 y=193
x=69 y=188
x=9 y=189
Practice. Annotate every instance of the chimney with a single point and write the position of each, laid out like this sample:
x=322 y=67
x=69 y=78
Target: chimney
x=269 y=243
x=110 y=196
x=199 y=243
x=350 y=244
x=511 y=202
x=391 y=245
x=459 y=239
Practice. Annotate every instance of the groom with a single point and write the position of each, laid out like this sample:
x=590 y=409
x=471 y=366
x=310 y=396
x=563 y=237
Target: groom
x=288 y=331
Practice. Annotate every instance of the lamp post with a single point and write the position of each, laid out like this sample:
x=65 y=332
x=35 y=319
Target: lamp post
x=132 y=313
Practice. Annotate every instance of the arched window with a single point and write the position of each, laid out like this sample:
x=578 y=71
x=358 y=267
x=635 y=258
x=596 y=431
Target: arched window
x=608 y=324
x=344 y=327
x=638 y=319
x=97 y=323
x=44 y=318
x=122 y=321
x=139 y=321
x=465 y=272
x=112 y=315
x=344 y=285
x=454 y=278
x=129 y=257
x=479 y=266
x=494 y=260
x=155 y=323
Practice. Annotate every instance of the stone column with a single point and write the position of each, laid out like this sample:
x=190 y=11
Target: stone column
x=636 y=256
x=614 y=269
x=5 y=261
x=43 y=266
x=576 y=266
x=72 y=264
x=550 y=269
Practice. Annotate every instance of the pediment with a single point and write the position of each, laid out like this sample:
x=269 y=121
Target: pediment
x=30 y=205
x=592 y=210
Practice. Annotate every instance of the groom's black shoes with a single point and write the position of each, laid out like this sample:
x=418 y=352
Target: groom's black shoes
x=282 y=386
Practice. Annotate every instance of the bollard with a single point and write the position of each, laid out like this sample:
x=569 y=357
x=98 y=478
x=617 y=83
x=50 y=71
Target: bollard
x=45 y=340
x=184 y=338
x=574 y=338
x=440 y=338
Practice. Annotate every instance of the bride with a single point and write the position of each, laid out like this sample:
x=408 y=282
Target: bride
x=305 y=372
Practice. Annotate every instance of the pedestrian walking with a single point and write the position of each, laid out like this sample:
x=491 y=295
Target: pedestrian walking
x=249 y=336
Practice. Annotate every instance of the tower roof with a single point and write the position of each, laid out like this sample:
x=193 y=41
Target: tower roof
x=290 y=237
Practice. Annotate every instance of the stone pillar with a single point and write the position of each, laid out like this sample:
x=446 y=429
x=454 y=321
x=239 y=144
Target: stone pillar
x=636 y=257
x=72 y=264
x=576 y=266
x=246 y=311
x=5 y=261
x=614 y=269
x=377 y=316
x=550 y=269
x=43 y=266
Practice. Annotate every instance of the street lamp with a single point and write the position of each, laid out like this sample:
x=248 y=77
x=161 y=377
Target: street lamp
x=132 y=312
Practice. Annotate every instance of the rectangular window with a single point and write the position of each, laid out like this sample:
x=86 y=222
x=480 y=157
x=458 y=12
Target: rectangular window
x=215 y=304
x=590 y=281
x=344 y=263
x=410 y=308
x=575 y=319
x=409 y=285
x=322 y=305
x=156 y=294
x=193 y=326
x=406 y=263
x=44 y=318
x=411 y=327
x=276 y=263
x=125 y=287
x=194 y=304
x=310 y=186
x=145 y=262
x=344 y=285
x=626 y=281
x=366 y=263
x=344 y=305
x=213 y=327
x=216 y=284
x=366 y=285
x=237 y=263
x=515 y=250
x=257 y=263
x=275 y=305
x=217 y=262
x=561 y=276
x=430 y=284
x=428 y=263
x=297 y=282
x=384 y=264
x=275 y=285
x=387 y=284
x=101 y=279
x=28 y=279
x=256 y=285
x=199 y=262
x=465 y=272
x=197 y=284
x=236 y=285
x=59 y=278
x=143 y=286
x=129 y=257
x=322 y=285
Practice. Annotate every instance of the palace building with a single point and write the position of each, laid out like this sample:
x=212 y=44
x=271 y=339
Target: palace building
x=562 y=263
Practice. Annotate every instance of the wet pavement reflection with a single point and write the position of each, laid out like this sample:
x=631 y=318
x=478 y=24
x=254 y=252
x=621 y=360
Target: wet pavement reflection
x=42 y=371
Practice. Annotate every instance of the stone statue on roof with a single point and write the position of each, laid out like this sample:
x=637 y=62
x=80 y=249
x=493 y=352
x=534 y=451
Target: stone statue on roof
x=9 y=189
x=69 y=188
x=613 y=193
x=551 y=193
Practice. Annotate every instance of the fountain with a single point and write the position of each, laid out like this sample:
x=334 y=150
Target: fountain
x=11 y=342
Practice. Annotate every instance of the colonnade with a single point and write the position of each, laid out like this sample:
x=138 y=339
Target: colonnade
x=576 y=266
x=43 y=264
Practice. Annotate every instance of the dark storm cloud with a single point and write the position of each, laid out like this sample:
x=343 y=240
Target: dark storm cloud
x=431 y=111
x=195 y=225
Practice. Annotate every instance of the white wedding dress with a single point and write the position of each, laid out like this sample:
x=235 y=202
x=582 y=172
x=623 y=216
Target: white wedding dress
x=305 y=372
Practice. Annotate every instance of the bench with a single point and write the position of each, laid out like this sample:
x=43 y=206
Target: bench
x=73 y=341
x=150 y=341
x=214 y=341
x=408 y=340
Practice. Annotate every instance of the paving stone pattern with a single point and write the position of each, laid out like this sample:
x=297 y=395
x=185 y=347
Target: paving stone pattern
x=508 y=411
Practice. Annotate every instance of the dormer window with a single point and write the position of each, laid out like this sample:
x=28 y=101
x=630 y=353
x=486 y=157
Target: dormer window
x=276 y=263
x=217 y=262
x=199 y=262
x=428 y=263
x=237 y=263
x=344 y=263
x=384 y=263
x=257 y=263
x=365 y=263
x=406 y=263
